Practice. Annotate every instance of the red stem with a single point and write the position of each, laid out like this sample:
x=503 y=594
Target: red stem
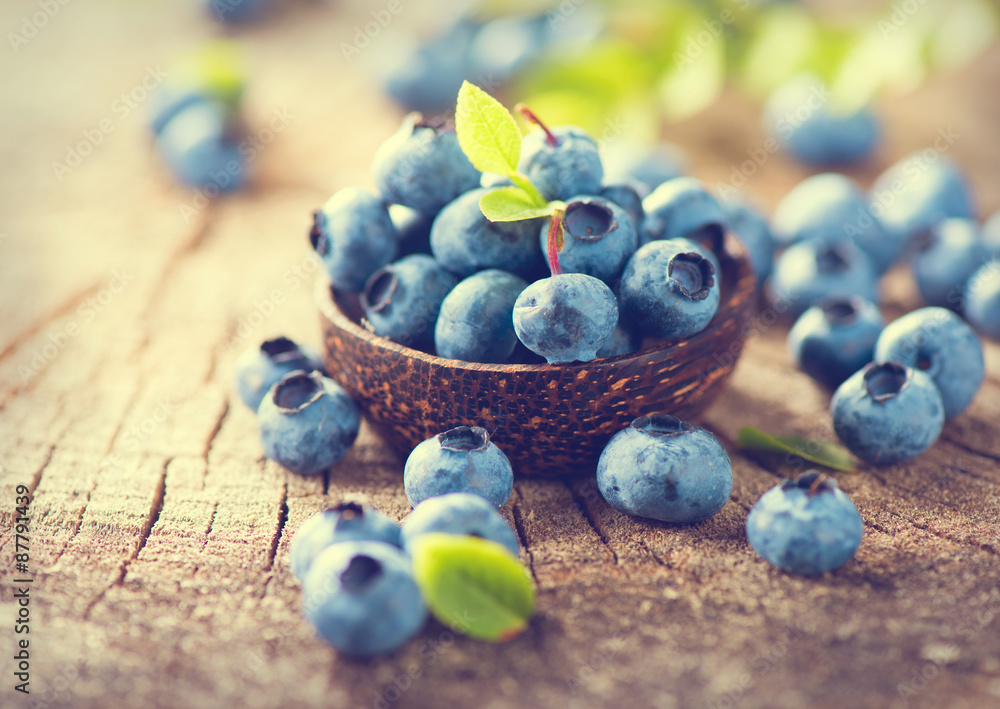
x=530 y=116
x=555 y=242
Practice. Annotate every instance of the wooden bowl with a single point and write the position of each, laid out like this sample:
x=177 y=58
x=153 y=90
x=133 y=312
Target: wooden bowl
x=550 y=420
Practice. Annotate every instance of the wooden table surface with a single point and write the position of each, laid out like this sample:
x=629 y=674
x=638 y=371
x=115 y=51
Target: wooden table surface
x=159 y=535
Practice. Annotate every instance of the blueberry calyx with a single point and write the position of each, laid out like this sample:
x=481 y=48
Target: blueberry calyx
x=885 y=381
x=280 y=349
x=465 y=439
x=660 y=425
x=361 y=571
x=550 y=138
x=379 y=289
x=840 y=312
x=812 y=481
x=346 y=511
x=589 y=221
x=298 y=389
x=439 y=124
x=692 y=273
x=317 y=237
x=832 y=260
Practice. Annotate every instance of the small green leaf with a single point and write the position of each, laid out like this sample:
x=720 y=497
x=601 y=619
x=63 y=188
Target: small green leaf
x=525 y=184
x=511 y=204
x=474 y=586
x=825 y=453
x=487 y=132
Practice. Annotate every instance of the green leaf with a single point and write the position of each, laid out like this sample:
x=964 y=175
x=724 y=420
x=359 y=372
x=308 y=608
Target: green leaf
x=216 y=68
x=825 y=453
x=511 y=204
x=474 y=586
x=487 y=132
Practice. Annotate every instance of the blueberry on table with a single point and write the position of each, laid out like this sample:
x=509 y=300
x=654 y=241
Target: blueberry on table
x=805 y=526
x=939 y=343
x=668 y=290
x=644 y=165
x=599 y=238
x=916 y=193
x=260 y=367
x=684 y=208
x=362 y=598
x=402 y=300
x=946 y=257
x=887 y=412
x=833 y=340
x=235 y=12
x=799 y=116
x=464 y=241
x=991 y=235
x=562 y=162
x=459 y=513
x=353 y=236
x=462 y=459
x=982 y=299
x=344 y=522
x=307 y=422
x=752 y=228
x=831 y=207
x=566 y=317
x=476 y=320
x=422 y=166
x=198 y=146
x=663 y=468
x=811 y=271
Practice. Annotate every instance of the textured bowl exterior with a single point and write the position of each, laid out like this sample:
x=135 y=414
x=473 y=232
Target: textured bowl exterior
x=550 y=420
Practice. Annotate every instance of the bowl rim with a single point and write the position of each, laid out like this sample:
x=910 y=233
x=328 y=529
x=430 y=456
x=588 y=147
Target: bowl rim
x=734 y=251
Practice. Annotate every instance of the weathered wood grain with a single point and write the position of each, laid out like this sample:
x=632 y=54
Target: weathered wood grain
x=160 y=536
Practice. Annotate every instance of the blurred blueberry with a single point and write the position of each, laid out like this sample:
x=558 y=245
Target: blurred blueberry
x=462 y=459
x=261 y=367
x=503 y=45
x=982 y=299
x=945 y=259
x=811 y=271
x=459 y=513
x=626 y=196
x=751 y=226
x=197 y=147
x=683 y=208
x=236 y=12
x=343 y=522
x=650 y=166
x=412 y=228
x=833 y=340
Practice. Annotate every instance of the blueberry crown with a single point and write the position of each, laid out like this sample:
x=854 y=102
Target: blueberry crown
x=693 y=274
x=832 y=259
x=840 y=312
x=379 y=289
x=280 y=349
x=587 y=220
x=317 y=236
x=298 y=389
x=465 y=439
x=812 y=481
x=661 y=425
x=361 y=571
x=886 y=381
x=346 y=511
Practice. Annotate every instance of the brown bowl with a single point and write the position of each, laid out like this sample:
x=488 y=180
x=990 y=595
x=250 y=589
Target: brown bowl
x=549 y=419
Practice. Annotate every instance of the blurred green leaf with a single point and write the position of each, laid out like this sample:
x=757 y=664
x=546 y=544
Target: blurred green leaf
x=511 y=204
x=216 y=68
x=966 y=29
x=697 y=73
x=825 y=453
x=781 y=42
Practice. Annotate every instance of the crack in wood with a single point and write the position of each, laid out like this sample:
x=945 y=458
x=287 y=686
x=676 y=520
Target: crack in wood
x=974 y=451
x=215 y=431
x=282 y=520
x=588 y=515
x=68 y=306
x=517 y=514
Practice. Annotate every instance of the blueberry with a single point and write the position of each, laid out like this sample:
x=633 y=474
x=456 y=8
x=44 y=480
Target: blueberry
x=599 y=238
x=982 y=299
x=667 y=469
x=459 y=513
x=476 y=319
x=236 y=12
x=565 y=317
x=887 y=412
x=916 y=193
x=422 y=166
x=798 y=116
x=805 y=526
x=362 y=598
x=833 y=340
x=354 y=236
x=307 y=422
x=427 y=77
x=811 y=271
x=626 y=196
x=168 y=101
x=198 y=148
x=462 y=459
x=751 y=226
x=669 y=291
x=830 y=207
x=683 y=208
x=946 y=258
x=260 y=368
x=503 y=46
x=412 y=228
x=649 y=166
x=937 y=342
x=561 y=163
x=344 y=522
x=623 y=340
x=402 y=300
x=991 y=235
x=464 y=241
